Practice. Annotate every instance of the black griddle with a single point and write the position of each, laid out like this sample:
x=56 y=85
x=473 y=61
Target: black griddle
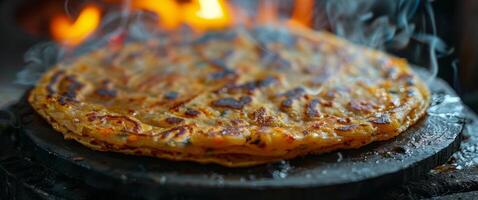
x=343 y=174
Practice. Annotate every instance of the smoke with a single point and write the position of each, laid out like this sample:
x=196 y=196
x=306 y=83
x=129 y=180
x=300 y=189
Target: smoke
x=388 y=25
x=436 y=48
x=361 y=22
x=43 y=56
x=37 y=61
x=456 y=83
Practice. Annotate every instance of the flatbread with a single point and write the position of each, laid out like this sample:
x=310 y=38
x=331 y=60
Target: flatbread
x=240 y=97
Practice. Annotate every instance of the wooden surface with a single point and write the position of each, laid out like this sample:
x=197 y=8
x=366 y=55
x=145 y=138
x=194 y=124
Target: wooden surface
x=459 y=175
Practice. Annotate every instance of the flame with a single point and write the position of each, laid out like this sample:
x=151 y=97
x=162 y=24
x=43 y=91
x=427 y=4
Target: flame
x=167 y=10
x=199 y=14
x=73 y=33
x=303 y=12
x=207 y=14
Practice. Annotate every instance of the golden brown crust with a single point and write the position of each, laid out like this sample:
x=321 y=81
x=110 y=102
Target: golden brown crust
x=230 y=101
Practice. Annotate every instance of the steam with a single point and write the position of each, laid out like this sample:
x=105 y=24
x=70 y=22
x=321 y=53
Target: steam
x=361 y=23
x=67 y=8
x=436 y=48
x=456 y=83
x=43 y=56
x=383 y=24
x=37 y=61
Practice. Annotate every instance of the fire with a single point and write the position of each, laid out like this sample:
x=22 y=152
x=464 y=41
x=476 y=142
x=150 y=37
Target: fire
x=167 y=10
x=303 y=12
x=207 y=14
x=201 y=15
x=73 y=33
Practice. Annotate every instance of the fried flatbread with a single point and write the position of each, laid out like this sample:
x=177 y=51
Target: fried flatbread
x=237 y=98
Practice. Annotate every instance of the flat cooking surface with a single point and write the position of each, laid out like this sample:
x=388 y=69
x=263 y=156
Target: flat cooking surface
x=430 y=142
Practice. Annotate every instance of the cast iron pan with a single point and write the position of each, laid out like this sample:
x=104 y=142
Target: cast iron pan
x=344 y=174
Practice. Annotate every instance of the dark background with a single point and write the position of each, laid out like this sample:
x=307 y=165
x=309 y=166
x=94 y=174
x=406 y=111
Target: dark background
x=456 y=23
